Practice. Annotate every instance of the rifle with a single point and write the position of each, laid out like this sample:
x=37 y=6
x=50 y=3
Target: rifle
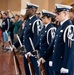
x=17 y=65
x=31 y=68
x=41 y=67
x=16 y=62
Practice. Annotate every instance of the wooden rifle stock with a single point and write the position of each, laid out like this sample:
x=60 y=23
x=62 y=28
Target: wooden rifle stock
x=30 y=65
x=31 y=68
x=41 y=67
x=17 y=63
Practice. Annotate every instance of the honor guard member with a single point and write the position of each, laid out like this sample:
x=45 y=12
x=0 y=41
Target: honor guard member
x=63 y=55
x=31 y=29
x=45 y=40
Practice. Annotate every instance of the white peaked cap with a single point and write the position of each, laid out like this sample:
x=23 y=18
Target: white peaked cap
x=63 y=6
x=31 y=4
x=48 y=12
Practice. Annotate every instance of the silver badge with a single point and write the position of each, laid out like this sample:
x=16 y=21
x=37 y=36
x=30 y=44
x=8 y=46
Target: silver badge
x=45 y=31
x=61 y=31
x=29 y=23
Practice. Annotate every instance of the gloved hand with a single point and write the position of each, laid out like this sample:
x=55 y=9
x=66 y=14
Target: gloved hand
x=35 y=52
x=22 y=48
x=50 y=63
x=9 y=49
x=28 y=54
x=64 y=70
x=40 y=60
x=13 y=47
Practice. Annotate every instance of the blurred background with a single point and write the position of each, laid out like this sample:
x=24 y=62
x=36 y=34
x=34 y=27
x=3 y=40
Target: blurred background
x=18 y=6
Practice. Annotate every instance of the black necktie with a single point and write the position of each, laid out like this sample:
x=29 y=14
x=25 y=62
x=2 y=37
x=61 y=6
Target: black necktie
x=59 y=26
x=44 y=27
x=58 y=29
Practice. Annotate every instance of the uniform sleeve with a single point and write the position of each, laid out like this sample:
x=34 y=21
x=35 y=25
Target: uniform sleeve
x=67 y=53
x=49 y=50
x=17 y=44
x=35 y=38
x=50 y=41
x=68 y=57
x=36 y=28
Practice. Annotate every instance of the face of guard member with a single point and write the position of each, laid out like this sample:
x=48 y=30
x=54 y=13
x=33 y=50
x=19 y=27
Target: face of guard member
x=61 y=16
x=29 y=11
x=45 y=19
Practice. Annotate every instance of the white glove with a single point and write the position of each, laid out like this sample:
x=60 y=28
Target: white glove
x=50 y=63
x=40 y=60
x=64 y=70
x=9 y=48
x=28 y=54
x=13 y=47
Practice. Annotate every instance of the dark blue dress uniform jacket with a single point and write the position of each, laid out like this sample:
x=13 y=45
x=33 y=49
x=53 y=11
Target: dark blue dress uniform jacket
x=26 y=33
x=63 y=55
x=43 y=46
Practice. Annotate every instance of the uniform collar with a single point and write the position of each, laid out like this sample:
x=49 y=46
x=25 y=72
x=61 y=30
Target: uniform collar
x=31 y=17
x=61 y=23
x=47 y=25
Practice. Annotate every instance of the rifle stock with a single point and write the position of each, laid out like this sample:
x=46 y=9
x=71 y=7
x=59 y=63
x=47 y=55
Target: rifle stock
x=41 y=67
x=32 y=71
x=17 y=63
x=31 y=68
